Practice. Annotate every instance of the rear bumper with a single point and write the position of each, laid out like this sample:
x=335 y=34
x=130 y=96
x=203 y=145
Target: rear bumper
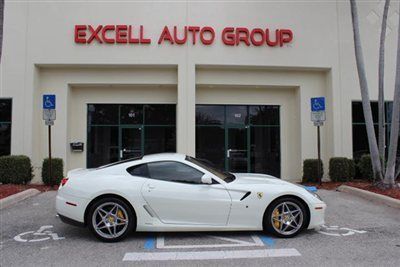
x=70 y=221
x=71 y=207
x=317 y=215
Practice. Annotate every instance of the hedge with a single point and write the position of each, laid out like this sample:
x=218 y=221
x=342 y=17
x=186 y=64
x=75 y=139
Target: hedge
x=57 y=171
x=365 y=167
x=341 y=169
x=310 y=170
x=15 y=169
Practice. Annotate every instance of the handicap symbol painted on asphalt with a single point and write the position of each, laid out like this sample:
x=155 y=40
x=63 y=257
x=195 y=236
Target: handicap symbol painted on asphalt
x=43 y=232
x=338 y=231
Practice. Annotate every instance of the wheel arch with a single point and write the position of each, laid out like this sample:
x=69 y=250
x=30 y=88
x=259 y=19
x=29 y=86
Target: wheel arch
x=298 y=199
x=106 y=196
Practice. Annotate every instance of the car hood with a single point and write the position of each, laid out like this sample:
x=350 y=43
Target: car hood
x=255 y=178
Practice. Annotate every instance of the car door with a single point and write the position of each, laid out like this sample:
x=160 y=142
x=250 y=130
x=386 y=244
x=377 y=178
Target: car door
x=175 y=193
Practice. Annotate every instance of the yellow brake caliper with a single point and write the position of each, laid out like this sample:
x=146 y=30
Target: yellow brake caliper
x=275 y=214
x=120 y=214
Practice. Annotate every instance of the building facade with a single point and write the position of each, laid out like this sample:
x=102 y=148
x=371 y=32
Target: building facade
x=229 y=82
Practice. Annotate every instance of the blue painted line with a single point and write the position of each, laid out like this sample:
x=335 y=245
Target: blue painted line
x=312 y=189
x=150 y=243
x=269 y=241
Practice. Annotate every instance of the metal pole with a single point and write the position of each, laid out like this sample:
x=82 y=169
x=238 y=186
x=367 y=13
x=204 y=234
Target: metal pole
x=319 y=155
x=50 y=161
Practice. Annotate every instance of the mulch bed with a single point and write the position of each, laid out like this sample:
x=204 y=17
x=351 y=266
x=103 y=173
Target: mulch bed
x=394 y=193
x=11 y=189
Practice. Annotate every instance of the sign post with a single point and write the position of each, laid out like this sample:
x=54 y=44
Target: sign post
x=49 y=116
x=318 y=116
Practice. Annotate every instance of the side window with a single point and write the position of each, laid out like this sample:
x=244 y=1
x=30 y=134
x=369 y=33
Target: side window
x=139 y=170
x=174 y=172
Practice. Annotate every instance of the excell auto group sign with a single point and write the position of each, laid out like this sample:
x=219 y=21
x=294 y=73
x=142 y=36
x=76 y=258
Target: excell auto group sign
x=230 y=36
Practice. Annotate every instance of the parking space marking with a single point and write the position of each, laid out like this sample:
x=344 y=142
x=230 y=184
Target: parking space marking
x=210 y=255
x=150 y=243
x=268 y=240
x=233 y=243
x=42 y=231
x=338 y=231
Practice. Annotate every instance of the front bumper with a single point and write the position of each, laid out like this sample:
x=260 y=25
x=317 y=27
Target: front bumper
x=317 y=215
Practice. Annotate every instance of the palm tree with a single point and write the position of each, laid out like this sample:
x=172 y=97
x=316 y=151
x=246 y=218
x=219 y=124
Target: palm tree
x=381 y=96
x=1 y=25
x=373 y=146
x=394 y=130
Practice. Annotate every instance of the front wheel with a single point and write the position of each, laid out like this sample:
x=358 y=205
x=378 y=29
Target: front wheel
x=285 y=217
x=110 y=219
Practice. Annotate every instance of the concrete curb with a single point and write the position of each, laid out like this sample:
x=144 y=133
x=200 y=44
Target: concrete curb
x=391 y=202
x=13 y=199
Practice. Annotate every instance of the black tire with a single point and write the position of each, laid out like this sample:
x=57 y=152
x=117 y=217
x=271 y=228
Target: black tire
x=123 y=207
x=267 y=221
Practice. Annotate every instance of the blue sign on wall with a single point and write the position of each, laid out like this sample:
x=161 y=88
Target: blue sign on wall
x=318 y=104
x=49 y=101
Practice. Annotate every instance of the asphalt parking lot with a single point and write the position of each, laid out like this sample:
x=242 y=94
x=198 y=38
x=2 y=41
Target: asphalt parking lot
x=357 y=232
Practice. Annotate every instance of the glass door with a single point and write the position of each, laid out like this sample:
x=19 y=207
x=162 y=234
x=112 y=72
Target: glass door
x=237 y=149
x=130 y=142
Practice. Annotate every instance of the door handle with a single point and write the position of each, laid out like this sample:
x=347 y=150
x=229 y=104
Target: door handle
x=151 y=186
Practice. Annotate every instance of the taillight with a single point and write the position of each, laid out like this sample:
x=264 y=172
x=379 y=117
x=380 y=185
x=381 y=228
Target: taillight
x=63 y=181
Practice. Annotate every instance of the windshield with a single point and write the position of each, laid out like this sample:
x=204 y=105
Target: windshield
x=226 y=176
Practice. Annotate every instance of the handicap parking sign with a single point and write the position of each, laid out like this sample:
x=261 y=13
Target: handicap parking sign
x=318 y=104
x=49 y=101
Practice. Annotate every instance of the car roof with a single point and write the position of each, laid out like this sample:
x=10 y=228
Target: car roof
x=164 y=156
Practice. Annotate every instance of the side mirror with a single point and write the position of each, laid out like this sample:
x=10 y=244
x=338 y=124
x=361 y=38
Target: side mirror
x=206 y=179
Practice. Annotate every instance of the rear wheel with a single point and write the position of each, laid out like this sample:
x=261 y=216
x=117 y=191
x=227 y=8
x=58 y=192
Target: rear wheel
x=285 y=217
x=110 y=219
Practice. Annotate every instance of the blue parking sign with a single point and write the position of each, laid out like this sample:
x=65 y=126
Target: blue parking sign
x=318 y=104
x=49 y=101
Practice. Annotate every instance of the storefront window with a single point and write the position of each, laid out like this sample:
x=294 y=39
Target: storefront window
x=117 y=132
x=360 y=138
x=5 y=126
x=239 y=138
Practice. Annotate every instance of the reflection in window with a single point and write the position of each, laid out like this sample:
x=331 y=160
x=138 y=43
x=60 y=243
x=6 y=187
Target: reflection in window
x=264 y=115
x=159 y=139
x=210 y=145
x=210 y=115
x=265 y=150
x=102 y=145
x=159 y=115
x=236 y=114
x=360 y=138
x=103 y=114
x=131 y=114
x=174 y=172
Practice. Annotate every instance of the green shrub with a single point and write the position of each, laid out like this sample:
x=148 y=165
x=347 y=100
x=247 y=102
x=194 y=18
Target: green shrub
x=15 y=169
x=341 y=169
x=310 y=170
x=57 y=171
x=352 y=169
x=365 y=167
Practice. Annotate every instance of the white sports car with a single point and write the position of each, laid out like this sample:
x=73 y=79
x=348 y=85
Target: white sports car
x=174 y=192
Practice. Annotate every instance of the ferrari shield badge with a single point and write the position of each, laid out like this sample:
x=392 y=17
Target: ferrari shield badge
x=260 y=195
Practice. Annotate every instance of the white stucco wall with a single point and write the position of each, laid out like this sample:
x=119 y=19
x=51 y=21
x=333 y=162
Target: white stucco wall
x=40 y=56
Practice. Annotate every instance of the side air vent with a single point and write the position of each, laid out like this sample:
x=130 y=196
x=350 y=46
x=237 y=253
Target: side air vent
x=149 y=211
x=245 y=195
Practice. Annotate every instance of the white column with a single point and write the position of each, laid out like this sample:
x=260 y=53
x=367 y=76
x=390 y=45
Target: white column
x=186 y=109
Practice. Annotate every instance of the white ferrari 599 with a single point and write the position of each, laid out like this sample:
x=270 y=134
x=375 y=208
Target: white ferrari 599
x=174 y=192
